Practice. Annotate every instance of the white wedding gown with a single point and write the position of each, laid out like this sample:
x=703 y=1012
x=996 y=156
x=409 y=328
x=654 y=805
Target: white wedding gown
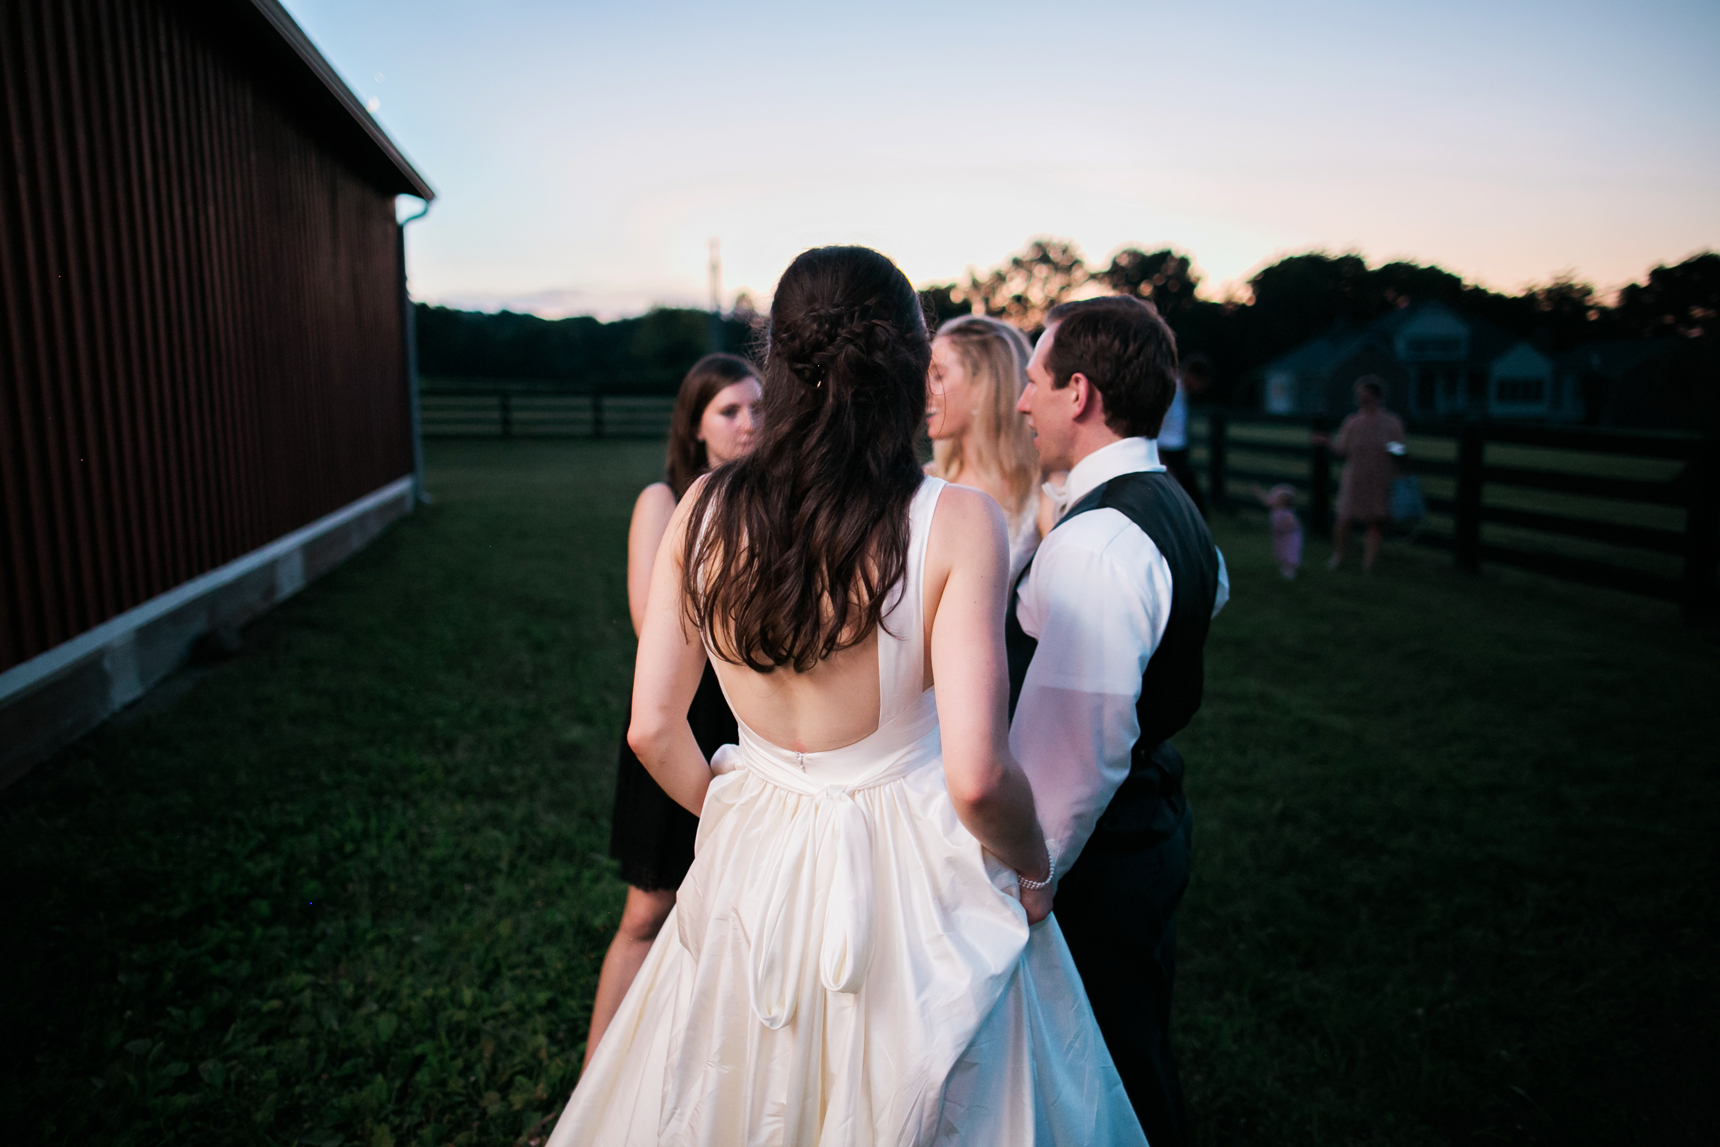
x=845 y=965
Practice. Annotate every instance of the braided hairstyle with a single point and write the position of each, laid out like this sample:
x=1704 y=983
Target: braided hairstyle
x=795 y=548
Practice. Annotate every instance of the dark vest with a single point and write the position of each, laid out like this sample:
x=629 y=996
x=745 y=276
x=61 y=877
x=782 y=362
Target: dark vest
x=1149 y=806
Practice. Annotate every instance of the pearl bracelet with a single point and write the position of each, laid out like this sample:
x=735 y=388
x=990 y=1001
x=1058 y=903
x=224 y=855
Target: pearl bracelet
x=1036 y=885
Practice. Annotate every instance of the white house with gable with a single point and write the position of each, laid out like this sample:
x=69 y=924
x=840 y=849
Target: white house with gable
x=1436 y=363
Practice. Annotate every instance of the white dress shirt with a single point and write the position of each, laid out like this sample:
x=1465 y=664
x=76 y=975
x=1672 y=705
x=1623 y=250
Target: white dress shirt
x=1097 y=599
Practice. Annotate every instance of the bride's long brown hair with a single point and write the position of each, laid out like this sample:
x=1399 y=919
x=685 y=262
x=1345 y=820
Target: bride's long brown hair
x=793 y=550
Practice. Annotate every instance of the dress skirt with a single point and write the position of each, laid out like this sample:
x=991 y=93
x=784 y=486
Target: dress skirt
x=845 y=966
x=1365 y=487
x=649 y=833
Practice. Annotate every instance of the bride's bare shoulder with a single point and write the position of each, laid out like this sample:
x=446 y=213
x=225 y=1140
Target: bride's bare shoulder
x=967 y=521
x=967 y=544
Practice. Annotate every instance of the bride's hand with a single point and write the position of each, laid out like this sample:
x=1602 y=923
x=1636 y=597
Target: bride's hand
x=1037 y=901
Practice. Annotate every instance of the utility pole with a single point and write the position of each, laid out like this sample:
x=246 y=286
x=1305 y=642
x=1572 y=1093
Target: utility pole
x=716 y=336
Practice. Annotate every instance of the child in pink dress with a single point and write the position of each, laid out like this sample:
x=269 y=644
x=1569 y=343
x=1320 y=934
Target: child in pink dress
x=1286 y=528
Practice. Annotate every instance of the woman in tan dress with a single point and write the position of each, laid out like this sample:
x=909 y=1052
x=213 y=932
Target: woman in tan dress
x=1369 y=442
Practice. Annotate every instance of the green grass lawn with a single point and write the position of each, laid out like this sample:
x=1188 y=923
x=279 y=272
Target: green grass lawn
x=1456 y=853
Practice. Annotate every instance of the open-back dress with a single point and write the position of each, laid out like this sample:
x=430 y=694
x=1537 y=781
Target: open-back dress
x=845 y=965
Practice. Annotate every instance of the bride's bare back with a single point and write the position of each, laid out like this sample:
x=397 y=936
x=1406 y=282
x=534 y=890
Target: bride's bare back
x=833 y=704
x=837 y=702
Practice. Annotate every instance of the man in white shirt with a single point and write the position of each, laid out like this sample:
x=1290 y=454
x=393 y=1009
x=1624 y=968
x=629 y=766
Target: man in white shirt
x=1173 y=433
x=1105 y=633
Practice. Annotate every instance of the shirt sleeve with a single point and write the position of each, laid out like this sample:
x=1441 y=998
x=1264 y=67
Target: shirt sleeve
x=1098 y=622
x=1222 y=598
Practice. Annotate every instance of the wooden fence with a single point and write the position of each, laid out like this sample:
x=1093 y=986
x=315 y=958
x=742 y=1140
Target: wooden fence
x=528 y=411
x=1636 y=512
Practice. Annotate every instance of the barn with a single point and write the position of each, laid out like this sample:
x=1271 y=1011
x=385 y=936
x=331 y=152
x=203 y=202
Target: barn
x=206 y=385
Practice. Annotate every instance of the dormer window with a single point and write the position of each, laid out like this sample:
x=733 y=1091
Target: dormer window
x=1434 y=349
x=1521 y=391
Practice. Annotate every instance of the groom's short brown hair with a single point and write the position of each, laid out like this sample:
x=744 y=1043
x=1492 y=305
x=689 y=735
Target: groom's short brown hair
x=1126 y=351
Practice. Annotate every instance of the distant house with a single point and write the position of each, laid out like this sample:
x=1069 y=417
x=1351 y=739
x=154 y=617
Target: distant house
x=1436 y=364
x=1633 y=382
x=206 y=393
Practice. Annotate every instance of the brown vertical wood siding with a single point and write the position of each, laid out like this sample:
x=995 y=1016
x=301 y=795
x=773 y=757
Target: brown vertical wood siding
x=200 y=346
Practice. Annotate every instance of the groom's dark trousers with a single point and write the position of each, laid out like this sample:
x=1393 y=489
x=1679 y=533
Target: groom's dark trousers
x=1117 y=908
x=1117 y=904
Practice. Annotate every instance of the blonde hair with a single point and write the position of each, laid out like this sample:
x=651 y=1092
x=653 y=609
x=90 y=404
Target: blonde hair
x=999 y=442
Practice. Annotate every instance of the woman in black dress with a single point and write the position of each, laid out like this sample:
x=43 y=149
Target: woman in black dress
x=650 y=834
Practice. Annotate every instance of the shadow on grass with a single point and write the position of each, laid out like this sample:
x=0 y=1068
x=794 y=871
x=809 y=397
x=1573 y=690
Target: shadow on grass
x=1455 y=861
x=1455 y=854
x=351 y=886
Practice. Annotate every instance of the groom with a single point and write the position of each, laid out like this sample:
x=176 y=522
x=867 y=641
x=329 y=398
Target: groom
x=1105 y=635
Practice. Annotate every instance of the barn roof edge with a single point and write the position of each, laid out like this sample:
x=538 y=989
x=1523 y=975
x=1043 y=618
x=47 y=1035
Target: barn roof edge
x=294 y=36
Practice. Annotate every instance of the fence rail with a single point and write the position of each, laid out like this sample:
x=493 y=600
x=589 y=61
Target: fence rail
x=1552 y=504
x=1637 y=512
x=542 y=412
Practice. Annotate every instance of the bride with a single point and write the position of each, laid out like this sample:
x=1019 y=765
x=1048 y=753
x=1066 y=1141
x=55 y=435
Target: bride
x=861 y=951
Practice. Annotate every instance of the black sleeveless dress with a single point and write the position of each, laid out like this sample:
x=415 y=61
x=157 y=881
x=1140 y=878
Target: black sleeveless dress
x=649 y=833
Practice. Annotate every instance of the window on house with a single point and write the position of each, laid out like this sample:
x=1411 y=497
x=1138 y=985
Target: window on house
x=1280 y=393
x=1519 y=391
x=1434 y=348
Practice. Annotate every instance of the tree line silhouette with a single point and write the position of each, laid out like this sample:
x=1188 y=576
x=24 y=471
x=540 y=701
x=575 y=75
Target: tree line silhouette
x=1294 y=299
x=646 y=354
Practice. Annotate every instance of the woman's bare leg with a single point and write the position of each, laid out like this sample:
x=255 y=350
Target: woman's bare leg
x=641 y=920
x=1340 y=539
x=1371 y=546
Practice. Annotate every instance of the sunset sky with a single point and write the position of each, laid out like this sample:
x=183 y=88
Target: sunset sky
x=585 y=154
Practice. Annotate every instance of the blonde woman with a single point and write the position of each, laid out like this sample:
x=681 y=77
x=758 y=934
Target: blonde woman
x=979 y=369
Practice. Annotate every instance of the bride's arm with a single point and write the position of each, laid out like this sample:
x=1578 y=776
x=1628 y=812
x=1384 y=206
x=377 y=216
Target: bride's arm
x=666 y=673
x=990 y=792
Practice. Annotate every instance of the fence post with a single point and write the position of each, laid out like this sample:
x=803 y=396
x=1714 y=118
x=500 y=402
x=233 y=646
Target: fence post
x=506 y=399
x=596 y=410
x=1320 y=483
x=1466 y=516
x=1215 y=457
x=1701 y=526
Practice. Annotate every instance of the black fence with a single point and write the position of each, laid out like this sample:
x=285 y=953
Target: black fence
x=1636 y=512
x=528 y=410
